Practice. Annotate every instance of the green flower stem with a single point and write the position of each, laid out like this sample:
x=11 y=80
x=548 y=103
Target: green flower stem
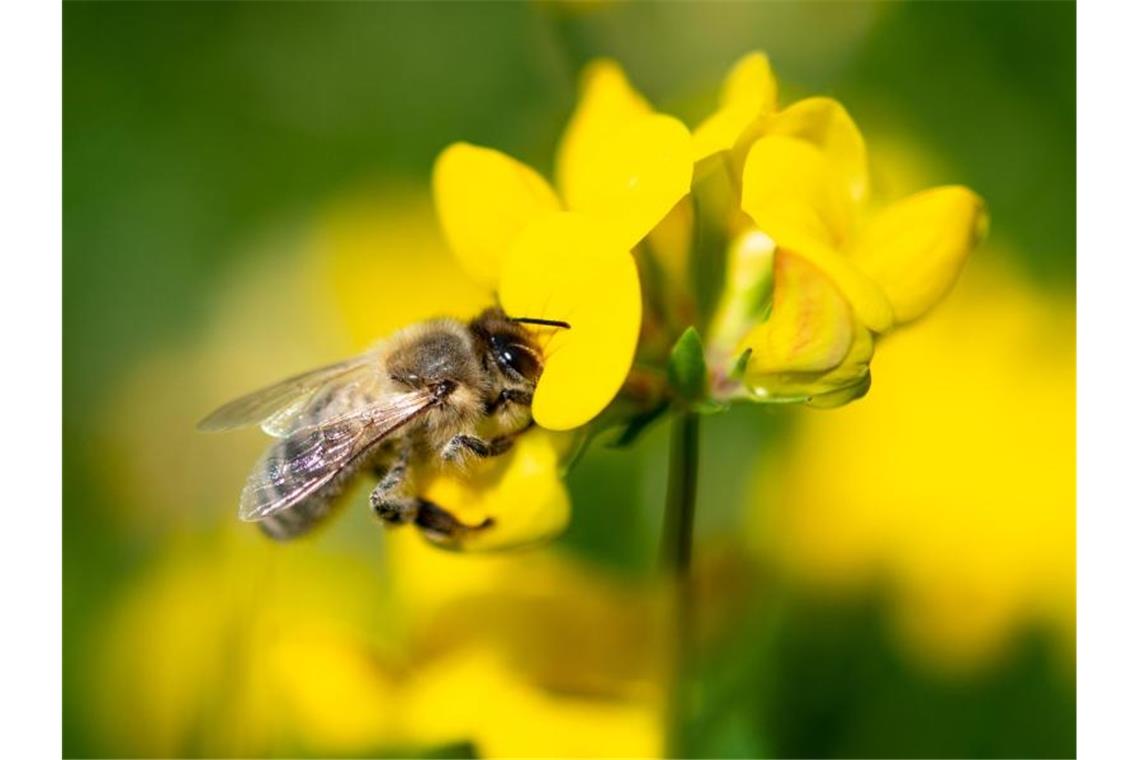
x=681 y=496
x=680 y=510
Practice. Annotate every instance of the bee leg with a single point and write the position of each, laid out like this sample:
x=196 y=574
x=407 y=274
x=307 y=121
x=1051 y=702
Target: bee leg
x=509 y=396
x=481 y=448
x=442 y=527
x=389 y=499
x=392 y=508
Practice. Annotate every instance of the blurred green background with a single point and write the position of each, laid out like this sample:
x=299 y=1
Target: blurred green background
x=228 y=168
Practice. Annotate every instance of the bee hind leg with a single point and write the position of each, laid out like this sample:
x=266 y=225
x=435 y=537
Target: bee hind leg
x=442 y=527
x=394 y=511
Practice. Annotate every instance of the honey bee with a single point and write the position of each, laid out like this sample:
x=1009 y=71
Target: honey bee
x=436 y=392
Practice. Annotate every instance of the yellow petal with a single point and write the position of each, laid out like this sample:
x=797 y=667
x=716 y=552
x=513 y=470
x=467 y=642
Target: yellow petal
x=825 y=123
x=850 y=380
x=522 y=492
x=671 y=242
x=789 y=185
x=810 y=349
x=605 y=101
x=484 y=198
x=916 y=247
x=867 y=299
x=795 y=198
x=632 y=175
x=749 y=92
x=810 y=328
x=574 y=268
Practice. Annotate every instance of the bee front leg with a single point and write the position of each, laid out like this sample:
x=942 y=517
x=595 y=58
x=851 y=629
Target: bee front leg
x=509 y=396
x=481 y=448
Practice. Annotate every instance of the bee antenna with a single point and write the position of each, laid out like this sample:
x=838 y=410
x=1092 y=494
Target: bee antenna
x=545 y=322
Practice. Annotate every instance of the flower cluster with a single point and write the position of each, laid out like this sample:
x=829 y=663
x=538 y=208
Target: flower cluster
x=642 y=209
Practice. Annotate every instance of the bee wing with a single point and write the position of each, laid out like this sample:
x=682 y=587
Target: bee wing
x=297 y=466
x=274 y=405
x=347 y=395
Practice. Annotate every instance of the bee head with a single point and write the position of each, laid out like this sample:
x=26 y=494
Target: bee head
x=510 y=345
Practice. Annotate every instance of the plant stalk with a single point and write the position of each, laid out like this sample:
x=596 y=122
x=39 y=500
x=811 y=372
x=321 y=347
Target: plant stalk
x=680 y=511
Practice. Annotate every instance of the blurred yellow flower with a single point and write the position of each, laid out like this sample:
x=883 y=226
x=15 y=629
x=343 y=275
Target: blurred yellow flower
x=621 y=169
x=291 y=650
x=239 y=636
x=473 y=696
x=954 y=482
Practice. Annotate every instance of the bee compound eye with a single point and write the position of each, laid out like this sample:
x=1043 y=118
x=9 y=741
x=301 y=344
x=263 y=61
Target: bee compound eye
x=515 y=357
x=521 y=361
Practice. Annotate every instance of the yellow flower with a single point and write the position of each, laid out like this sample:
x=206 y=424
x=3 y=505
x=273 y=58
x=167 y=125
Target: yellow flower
x=474 y=696
x=834 y=288
x=232 y=646
x=621 y=168
x=954 y=482
x=838 y=276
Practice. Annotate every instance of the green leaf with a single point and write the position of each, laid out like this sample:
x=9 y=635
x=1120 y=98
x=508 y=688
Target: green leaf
x=687 y=371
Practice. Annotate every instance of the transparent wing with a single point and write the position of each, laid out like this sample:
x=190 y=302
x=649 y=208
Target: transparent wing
x=280 y=401
x=347 y=395
x=300 y=464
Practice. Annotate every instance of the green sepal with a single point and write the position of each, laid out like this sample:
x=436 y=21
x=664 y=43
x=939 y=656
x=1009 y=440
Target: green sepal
x=687 y=371
x=741 y=364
